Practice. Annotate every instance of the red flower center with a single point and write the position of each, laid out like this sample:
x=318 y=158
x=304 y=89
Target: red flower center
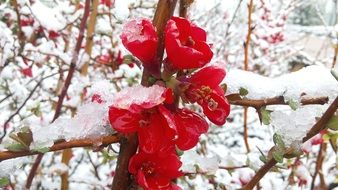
x=148 y=168
x=202 y=94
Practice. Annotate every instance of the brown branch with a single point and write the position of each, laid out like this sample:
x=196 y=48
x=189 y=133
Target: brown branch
x=276 y=101
x=232 y=167
x=246 y=63
x=73 y=61
x=66 y=85
x=321 y=124
x=67 y=154
x=318 y=169
x=121 y=181
x=245 y=130
x=317 y=128
x=87 y=142
x=183 y=9
x=248 y=36
x=90 y=35
x=260 y=174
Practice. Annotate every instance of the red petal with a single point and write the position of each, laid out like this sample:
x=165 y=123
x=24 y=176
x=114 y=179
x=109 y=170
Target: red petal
x=165 y=169
x=169 y=166
x=27 y=72
x=180 y=56
x=216 y=109
x=140 y=38
x=151 y=136
x=183 y=27
x=97 y=98
x=190 y=126
x=141 y=179
x=210 y=76
x=123 y=121
x=170 y=120
x=198 y=33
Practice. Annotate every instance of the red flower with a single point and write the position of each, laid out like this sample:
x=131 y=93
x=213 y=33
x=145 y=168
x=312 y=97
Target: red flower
x=53 y=35
x=27 y=72
x=189 y=126
x=140 y=38
x=155 y=171
x=26 y=22
x=142 y=115
x=107 y=3
x=318 y=139
x=185 y=44
x=158 y=128
x=97 y=98
x=203 y=87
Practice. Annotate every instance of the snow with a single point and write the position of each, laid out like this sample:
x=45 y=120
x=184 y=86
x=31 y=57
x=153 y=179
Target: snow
x=293 y=125
x=147 y=96
x=7 y=43
x=9 y=166
x=49 y=18
x=58 y=168
x=121 y=10
x=313 y=81
x=133 y=30
x=90 y=121
x=190 y=159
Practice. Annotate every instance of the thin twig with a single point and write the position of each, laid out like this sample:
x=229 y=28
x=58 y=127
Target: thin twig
x=87 y=142
x=246 y=66
x=318 y=169
x=22 y=105
x=316 y=129
x=66 y=85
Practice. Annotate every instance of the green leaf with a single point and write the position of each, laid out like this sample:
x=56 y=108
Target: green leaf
x=266 y=118
x=15 y=147
x=127 y=59
x=41 y=150
x=333 y=123
x=243 y=91
x=36 y=111
x=262 y=157
x=326 y=137
x=24 y=137
x=224 y=87
x=4 y=181
x=278 y=155
x=293 y=104
x=277 y=139
x=334 y=74
x=179 y=152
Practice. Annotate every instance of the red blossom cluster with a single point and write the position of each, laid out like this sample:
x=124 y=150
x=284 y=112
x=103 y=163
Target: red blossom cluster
x=151 y=112
x=272 y=27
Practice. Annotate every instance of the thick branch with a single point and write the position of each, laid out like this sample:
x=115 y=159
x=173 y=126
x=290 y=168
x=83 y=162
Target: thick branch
x=121 y=181
x=87 y=142
x=276 y=101
x=319 y=126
